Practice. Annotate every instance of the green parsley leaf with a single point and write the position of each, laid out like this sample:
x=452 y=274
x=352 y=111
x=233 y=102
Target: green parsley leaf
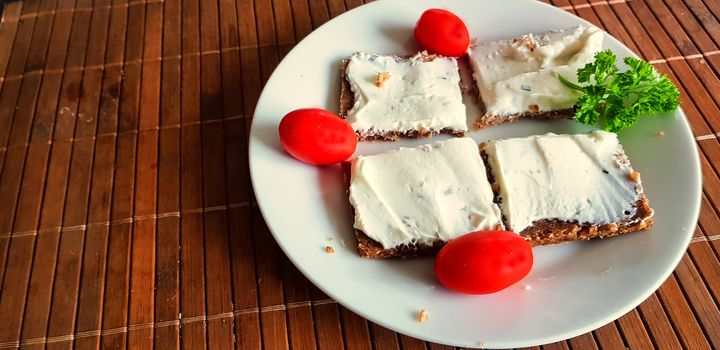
x=615 y=100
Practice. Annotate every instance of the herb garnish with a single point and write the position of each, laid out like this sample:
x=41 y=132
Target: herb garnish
x=615 y=100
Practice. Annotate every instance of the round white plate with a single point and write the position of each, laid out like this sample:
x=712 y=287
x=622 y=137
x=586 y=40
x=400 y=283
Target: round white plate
x=572 y=289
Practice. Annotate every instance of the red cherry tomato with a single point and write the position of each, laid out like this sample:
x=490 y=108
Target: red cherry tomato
x=442 y=32
x=317 y=136
x=483 y=262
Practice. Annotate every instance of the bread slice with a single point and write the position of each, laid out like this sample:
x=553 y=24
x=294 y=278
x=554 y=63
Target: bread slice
x=561 y=188
x=517 y=78
x=440 y=110
x=409 y=202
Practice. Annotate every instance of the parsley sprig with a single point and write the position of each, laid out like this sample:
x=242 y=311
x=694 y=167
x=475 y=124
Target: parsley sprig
x=616 y=100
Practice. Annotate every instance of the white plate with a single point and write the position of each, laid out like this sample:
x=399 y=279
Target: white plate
x=572 y=288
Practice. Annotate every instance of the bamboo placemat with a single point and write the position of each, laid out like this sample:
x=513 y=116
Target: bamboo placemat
x=126 y=214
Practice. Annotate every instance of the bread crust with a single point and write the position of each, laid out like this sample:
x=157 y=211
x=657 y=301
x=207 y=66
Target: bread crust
x=549 y=232
x=347 y=100
x=490 y=119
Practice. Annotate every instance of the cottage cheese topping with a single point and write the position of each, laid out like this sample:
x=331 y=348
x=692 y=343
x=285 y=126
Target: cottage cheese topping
x=420 y=195
x=584 y=178
x=520 y=75
x=411 y=94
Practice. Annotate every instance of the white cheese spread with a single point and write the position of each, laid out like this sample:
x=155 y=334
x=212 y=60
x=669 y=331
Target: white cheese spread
x=412 y=94
x=583 y=178
x=437 y=191
x=520 y=75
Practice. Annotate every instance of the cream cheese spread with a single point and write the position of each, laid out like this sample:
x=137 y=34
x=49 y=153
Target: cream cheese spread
x=520 y=75
x=583 y=178
x=437 y=191
x=404 y=94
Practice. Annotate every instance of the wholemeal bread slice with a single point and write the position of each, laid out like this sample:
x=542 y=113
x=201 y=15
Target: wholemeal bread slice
x=428 y=108
x=561 y=188
x=517 y=78
x=409 y=202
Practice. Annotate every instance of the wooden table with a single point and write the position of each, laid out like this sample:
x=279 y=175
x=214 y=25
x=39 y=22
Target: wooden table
x=126 y=214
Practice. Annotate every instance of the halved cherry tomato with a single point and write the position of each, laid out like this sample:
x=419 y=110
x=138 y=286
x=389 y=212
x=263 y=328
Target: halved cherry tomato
x=442 y=32
x=483 y=262
x=317 y=136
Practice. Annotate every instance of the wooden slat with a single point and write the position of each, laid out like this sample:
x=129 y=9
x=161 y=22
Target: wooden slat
x=327 y=327
x=300 y=319
x=219 y=283
x=383 y=338
x=10 y=98
x=17 y=277
x=8 y=29
x=633 y=331
x=40 y=290
x=167 y=264
x=561 y=345
x=143 y=256
x=93 y=273
x=192 y=283
x=585 y=341
x=699 y=298
x=69 y=261
x=409 y=343
x=117 y=287
x=355 y=330
x=318 y=12
x=658 y=325
x=269 y=286
x=608 y=337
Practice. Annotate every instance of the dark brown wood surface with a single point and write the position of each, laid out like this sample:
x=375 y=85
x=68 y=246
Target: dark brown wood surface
x=126 y=214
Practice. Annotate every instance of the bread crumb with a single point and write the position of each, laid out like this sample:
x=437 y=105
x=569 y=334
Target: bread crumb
x=381 y=79
x=528 y=41
x=534 y=108
x=607 y=269
x=329 y=250
x=422 y=316
x=660 y=133
x=634 y=176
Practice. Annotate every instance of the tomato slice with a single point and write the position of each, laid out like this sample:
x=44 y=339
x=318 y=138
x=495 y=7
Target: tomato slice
x=316 y=136
x=442 y=32
x=483 y=262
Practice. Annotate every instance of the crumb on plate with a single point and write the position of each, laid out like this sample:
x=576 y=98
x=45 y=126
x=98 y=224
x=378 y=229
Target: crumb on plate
x=422 y=315
x=329 y=250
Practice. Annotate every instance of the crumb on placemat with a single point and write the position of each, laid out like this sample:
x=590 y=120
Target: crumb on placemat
x=422 y=315
x=659 y=133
